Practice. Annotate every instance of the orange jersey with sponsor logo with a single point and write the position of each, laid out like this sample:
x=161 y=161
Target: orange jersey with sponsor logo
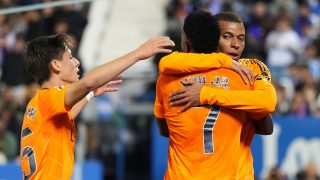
x=48 y=136
x=204 y=141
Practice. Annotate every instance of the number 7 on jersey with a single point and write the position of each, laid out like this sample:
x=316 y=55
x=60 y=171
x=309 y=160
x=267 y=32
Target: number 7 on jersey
x=208 y=128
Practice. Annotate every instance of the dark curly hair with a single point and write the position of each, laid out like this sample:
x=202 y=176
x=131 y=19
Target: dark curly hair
x=202 y=31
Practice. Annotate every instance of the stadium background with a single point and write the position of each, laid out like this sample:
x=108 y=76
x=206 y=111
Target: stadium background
x=117 y=137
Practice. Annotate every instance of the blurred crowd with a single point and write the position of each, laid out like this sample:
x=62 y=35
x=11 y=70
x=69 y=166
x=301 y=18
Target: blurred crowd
x=307 y=173
x=284 y=34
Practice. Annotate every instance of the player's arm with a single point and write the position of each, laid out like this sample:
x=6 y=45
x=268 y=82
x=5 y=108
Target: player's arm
x=163 y=127
x=75 y=110
x=179 y=63
x=260 y=100
x=159 y=111
x=191 y=97
x=106 y=72
x=248 y=100
x=263 y=123
x=264 y=126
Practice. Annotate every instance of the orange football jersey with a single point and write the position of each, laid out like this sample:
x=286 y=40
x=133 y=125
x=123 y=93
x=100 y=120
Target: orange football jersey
x=204 y=141
x=181 y=63
x=48 y=136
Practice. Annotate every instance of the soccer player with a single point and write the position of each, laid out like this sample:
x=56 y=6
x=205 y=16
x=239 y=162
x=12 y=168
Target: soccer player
x=204 y=141
x=261 y=99
x=232 y=42
x=48 y=132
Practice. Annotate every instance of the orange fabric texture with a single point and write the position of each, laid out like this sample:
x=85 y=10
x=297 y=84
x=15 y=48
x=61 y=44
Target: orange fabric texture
x=237 y=99
x=183 y=61
x=48 y=136
x=252 y=101
x=204 y=141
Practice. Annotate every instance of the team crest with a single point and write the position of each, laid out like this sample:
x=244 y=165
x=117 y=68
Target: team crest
x=59 y=87
x=31 y=113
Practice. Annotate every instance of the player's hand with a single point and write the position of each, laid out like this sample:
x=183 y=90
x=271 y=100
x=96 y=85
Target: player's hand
x=108 y=86
x=245 y=73
x=154 y=46
x=189 y=96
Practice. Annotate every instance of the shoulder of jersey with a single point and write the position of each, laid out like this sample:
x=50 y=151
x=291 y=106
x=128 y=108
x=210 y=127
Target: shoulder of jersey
x=264 y=72
x=247 y=61
x=250 y=61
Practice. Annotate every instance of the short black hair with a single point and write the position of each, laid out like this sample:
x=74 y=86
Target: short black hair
x=41 y=51
x=228 y=16
x=202 y=31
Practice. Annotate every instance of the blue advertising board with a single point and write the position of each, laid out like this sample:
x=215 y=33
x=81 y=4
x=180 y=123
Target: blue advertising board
x=87 y=170
x=295 y=142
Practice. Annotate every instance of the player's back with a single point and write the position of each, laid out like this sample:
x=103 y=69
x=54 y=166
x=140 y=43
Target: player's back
x=203 y=140
x=47 y=138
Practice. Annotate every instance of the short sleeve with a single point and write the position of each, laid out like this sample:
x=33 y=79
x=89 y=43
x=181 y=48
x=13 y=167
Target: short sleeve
x=158 y=104
x=179 y=63
x=259 y=69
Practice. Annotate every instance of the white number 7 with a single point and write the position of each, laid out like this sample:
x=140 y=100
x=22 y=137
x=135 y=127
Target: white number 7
x=208 y=128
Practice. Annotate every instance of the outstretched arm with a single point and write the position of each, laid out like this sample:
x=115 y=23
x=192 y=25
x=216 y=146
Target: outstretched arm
x=248 y=100
x=179 y=63
x=101 y=90
x=106 y=72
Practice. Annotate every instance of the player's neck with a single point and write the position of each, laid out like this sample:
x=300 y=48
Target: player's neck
x=53 y=81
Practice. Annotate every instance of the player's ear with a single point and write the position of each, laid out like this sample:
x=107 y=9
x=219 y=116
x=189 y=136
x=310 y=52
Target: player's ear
x=55 y=65
x=187 y=47
x=185 y=43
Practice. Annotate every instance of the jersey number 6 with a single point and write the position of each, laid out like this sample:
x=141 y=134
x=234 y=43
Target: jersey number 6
x=29 y=153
